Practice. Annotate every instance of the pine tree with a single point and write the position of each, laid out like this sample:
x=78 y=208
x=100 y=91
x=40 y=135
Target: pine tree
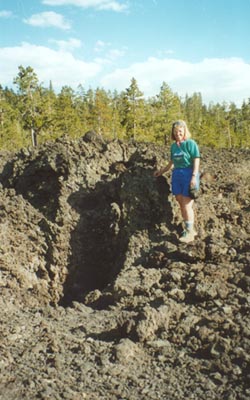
x=11 y=136
x=133 y=110
x=244 y=125
x=193 y=113
x=102 y=112
x=31 y=102
x=82 y=109
x=167 y=110
x=36 y=112
x=67 y=121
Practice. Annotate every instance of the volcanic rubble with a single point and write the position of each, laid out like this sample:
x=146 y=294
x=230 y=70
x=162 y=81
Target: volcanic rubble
x=99 y=300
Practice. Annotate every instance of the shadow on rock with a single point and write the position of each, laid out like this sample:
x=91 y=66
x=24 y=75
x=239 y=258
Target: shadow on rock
x=111 y=216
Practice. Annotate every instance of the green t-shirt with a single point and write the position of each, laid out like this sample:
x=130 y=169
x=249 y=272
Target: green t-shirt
x=183 y=154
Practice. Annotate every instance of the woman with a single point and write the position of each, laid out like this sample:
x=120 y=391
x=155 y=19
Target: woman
x=185 y=159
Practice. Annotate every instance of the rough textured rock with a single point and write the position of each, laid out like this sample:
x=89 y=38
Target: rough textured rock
x=99 y=300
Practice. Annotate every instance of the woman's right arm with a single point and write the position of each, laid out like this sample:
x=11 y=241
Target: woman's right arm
x=164 y=169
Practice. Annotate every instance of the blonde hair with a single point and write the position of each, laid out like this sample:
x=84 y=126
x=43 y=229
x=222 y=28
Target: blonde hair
x=183 y=124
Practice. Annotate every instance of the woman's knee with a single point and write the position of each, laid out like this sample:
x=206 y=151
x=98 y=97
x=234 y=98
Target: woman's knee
x=179 y=199
x=184 y=201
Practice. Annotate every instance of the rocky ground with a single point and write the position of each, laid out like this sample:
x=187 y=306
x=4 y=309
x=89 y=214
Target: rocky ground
x=99 y=300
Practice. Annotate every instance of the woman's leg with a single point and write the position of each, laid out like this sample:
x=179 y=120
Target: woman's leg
x=186 y=206
x=187 y=212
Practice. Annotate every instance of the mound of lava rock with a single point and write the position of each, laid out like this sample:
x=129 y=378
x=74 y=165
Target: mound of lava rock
x=99 y=300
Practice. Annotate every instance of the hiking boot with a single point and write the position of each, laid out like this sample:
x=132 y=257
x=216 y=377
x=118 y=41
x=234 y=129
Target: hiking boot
x=187 y=236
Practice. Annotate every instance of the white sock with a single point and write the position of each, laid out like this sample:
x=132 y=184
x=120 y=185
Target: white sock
x=189 y=225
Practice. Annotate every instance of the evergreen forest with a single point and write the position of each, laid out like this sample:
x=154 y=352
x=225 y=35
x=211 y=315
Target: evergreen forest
x=33 y=114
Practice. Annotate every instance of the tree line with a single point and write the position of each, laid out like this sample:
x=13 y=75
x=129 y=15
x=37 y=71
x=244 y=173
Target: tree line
x=34 y=114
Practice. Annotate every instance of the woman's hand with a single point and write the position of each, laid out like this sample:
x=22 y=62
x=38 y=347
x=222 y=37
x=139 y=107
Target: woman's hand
x=162 y=170
x=159 y=172
x=193 y=181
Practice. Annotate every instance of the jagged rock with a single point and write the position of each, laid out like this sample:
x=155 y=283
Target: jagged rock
x=99 y=300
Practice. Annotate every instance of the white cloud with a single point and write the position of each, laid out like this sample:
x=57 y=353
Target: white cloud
x=110 y=54
x=113 y=54
x=217 y=80
x=101 y=46
x=67 y=45
x=5 y=14
x=60 y=67
x=112 y=5
x=48 y=18
x=165 y=53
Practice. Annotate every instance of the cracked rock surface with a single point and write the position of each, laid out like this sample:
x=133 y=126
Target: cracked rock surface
x=99 y=300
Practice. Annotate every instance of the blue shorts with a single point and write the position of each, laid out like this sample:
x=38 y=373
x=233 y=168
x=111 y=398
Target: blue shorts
x=181 y=178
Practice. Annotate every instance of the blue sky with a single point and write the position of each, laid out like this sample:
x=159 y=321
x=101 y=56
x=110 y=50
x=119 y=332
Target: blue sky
x=192 y=45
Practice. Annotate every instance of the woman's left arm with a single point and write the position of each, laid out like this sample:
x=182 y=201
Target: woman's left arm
x=196 y=166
